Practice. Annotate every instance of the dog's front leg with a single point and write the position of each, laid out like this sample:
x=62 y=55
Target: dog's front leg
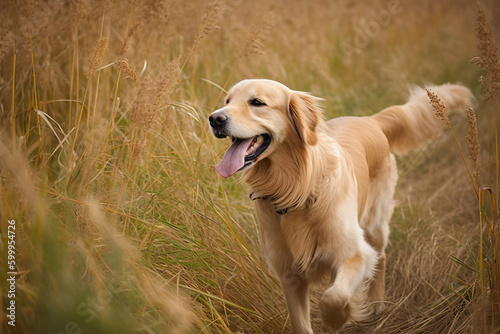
x=296 y=293
x=340 y=303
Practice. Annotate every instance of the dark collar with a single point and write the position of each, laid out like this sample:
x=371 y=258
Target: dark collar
x=253 y=198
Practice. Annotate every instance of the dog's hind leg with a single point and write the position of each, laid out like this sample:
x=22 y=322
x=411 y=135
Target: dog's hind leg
x=376 y=292
x=378 y=238
x=376 y=225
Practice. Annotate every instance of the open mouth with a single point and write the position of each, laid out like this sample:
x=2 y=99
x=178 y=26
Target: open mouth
x=258 y=145
x=242 y=153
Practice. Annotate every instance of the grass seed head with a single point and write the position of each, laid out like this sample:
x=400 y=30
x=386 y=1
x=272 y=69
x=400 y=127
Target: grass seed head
x=143 y=113
x=28 y=8
x=488 y=55
x=158 y=11
x=167 y=80
x=80 y=10
x=439 y=108
x=124 y=65
x=255 y=43
x=130 y=33
x=211 y=18
x=472 y=140
x=5 y=42
x=97 y=55
x=153 y=94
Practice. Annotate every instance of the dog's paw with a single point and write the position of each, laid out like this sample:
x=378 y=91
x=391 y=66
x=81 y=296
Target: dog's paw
x=335 y=312
x=377 y=308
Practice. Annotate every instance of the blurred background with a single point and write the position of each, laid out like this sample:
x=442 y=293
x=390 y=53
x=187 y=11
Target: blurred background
x=106 y=159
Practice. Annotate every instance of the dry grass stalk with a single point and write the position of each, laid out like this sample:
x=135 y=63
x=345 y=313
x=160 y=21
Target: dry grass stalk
x=473 y=141
x=255 y=44
x=97 y=55
x=209 y=23
x=489 y=55
x=439 y=108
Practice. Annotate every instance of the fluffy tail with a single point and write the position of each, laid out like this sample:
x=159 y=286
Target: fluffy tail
x=409 y=126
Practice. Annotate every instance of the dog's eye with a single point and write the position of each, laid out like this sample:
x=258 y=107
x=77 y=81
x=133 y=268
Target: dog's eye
x=227 y=101
x=256 y=103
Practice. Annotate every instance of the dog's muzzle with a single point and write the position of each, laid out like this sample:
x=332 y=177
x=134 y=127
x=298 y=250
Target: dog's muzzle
x=218 y=122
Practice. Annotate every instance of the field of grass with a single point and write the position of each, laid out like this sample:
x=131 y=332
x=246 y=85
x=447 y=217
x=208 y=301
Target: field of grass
x=122 y=225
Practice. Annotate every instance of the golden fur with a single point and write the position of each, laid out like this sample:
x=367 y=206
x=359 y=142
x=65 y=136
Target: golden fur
x=335 y=180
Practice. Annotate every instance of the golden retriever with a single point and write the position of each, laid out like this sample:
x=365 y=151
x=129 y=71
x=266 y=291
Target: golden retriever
x=323 y=191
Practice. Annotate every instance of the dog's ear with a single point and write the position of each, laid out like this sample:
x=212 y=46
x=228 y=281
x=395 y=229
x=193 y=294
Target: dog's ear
x=306 y=114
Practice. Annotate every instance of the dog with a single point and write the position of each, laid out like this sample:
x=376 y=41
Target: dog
x=323 y=190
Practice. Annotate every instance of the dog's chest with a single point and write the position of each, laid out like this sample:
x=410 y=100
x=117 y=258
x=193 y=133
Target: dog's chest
x=302 y=241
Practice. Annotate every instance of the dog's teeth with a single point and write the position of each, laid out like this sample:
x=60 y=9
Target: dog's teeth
x=254 y=146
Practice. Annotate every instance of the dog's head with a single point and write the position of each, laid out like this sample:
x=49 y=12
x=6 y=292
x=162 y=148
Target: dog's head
x=260 y=116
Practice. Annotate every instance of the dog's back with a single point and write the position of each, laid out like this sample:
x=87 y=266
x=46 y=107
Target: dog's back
x=366 y=146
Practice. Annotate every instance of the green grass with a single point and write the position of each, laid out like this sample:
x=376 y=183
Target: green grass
x=124 y=226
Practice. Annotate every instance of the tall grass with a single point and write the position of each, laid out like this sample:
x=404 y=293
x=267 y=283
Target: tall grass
x=489 y=222
x=106 y=161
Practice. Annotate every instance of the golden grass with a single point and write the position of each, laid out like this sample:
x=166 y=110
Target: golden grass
x=106 y=160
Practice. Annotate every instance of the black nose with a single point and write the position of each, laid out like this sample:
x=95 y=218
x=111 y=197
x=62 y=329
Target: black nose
x=217 y=119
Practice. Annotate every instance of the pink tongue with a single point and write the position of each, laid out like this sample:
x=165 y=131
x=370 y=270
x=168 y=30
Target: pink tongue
x=234 y=158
